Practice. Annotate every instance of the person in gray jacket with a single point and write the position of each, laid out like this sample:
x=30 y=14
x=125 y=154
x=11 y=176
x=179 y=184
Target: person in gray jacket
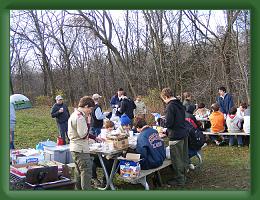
x=234 y=125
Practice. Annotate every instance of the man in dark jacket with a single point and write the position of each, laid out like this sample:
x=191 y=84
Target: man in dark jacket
x=61 y=112
x=127 y=106
x=225 y=101
x=149 y=145
x=175 y=124
x=115 y=99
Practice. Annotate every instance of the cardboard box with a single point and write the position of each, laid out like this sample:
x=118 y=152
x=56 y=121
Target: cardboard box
x=24 y=156
x=21 y=169
x=130 y=166
x=119 y=143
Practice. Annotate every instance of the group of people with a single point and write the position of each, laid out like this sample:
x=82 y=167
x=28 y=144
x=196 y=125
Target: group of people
x=78 y=133
x=85 y=123
x=87 y=120
x=224 y=116
x=227 y=117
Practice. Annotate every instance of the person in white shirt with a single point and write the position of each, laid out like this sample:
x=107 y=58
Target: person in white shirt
x=241 y=110
x=246 y=125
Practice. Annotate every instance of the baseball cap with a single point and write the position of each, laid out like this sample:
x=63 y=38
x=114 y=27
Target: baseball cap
x=59 y=97
x=125 y=120
x=96 y=96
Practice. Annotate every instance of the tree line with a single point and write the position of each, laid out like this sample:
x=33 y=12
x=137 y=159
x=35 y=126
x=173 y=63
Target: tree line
x=85 y=52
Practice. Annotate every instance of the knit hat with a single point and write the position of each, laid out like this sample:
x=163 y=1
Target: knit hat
x=125 y=120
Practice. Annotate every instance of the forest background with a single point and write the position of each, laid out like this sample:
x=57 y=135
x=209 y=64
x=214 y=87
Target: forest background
x=77 y=53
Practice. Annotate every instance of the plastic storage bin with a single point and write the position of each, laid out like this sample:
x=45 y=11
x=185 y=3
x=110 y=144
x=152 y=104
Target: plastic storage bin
x=59 y=153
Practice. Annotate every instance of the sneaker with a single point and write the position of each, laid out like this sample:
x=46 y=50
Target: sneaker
x=204 y=145
x=239 y=145
x=191 y=166
x=217 y=143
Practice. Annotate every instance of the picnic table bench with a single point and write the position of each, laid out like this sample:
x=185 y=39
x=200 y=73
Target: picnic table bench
x=225 y=133
x=144 y=173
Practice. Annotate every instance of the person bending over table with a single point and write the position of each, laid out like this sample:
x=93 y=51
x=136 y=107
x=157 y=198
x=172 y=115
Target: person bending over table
x=149 y=145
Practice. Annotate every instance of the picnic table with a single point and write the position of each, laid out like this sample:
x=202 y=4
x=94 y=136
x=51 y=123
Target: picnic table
x=111 y=154
x=203 y=121
x=114 y=154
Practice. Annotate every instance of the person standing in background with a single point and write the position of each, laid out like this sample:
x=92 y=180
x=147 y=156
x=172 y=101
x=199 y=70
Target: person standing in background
x=61 y=112
x=187 y=102
x=79 y=146
x=127 y=107
x=225 y=101
x=12 y=125
x=116 y=98
x=140 y=110
x=97 y=116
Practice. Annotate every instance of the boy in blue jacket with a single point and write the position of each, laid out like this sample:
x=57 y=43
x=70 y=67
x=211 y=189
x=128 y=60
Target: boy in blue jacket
x=149 y=145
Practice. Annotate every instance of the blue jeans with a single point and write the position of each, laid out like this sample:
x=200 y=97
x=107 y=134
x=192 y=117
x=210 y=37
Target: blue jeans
x=63 y=129
x=232 y=138
x=12 y=142
x=213 y=137
x=95 y=131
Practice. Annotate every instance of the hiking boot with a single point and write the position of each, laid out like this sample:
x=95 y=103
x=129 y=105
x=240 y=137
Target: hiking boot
x=103 y=184
x=95 y=182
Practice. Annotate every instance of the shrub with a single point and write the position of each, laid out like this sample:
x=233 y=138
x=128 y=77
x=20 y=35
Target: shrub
x=43 y=100
x=153 y=104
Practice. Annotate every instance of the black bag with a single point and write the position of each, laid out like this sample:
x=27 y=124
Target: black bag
x=132 y=103
x=196 y=138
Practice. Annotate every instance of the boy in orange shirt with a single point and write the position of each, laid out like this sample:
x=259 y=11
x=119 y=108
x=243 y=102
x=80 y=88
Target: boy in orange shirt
x=217 y=122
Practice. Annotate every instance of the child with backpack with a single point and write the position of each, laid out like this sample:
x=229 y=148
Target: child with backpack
x=196 y=138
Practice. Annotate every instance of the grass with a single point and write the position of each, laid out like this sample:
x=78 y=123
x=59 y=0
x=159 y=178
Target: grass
x=34 y=125
x=224 y=168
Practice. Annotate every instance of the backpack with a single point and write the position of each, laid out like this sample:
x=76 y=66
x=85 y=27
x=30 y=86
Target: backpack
x=132 y=103
x=196 y=138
